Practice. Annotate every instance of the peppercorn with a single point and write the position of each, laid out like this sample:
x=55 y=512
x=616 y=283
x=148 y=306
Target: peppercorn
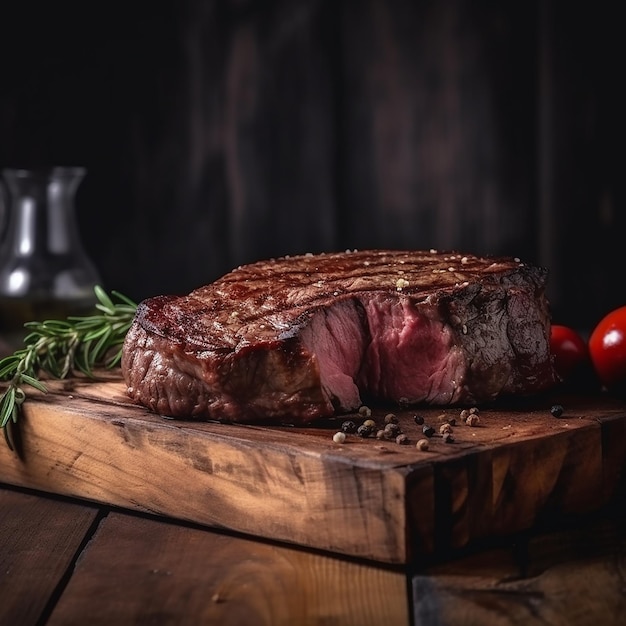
x=429 y=431
x=445 y=428
x=391 y=418
x=418 y=419
x=363 y=431
x=464 y=415
x=474 y=409
x=348 y=427
x=556 y=410
x=422 y=444
x=448 y=438
x=339 y=437
x=371 y=424
x=451 y=421
x=442 y=417
x=402 y=439
x=365 y=411
x=472 y=419
x=381 y=434
x=392 y=430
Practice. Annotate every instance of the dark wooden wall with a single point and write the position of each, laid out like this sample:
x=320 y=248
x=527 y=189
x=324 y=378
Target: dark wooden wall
x=217 y=132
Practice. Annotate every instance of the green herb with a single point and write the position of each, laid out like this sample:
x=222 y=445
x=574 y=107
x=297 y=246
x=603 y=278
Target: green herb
x=63 y=347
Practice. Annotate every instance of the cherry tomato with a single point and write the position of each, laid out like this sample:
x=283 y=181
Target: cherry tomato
x=607 y=347
x=569 y=349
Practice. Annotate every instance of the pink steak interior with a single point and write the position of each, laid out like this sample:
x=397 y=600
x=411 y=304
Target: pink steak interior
x=388 y=347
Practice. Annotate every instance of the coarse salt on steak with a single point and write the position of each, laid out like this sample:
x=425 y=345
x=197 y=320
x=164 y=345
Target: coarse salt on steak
x=299 y=338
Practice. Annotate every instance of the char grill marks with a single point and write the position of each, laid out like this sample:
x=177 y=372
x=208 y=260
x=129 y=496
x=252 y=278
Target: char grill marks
x=269 y=288
x=350 y=272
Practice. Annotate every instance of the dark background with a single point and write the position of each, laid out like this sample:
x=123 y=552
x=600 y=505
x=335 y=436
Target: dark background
x=220 y=132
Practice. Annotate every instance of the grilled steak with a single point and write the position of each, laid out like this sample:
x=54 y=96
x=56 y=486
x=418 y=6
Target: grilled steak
x=299 y=338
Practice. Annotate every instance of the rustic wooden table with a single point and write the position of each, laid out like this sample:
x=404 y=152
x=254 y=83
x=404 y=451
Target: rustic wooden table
x=112 y=515
x=67 y=561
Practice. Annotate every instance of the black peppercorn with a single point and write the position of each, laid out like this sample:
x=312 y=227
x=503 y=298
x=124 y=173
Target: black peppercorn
x=363 y=431
x=556 y=410
x=418 y=419
x=429 y=431
x=348 y=427
x=448 y=438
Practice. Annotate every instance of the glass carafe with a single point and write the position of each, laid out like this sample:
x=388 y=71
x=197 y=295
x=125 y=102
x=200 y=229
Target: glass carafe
x=45 y=272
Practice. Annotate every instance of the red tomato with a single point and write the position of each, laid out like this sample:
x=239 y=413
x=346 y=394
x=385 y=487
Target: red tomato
x=569 y=349
x=607 y=347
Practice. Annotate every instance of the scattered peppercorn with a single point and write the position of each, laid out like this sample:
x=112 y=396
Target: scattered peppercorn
x=474 y=409
x=381 y=434
x=363 y=431
x=365 y=411
x=429 y=431
x=371 y=424
x=445 y=428
x=422 y=444
x=391 y=418
x=348 y=427
x=403 y=402
x=464 y=415
x=418 y=419
x=402 y=439
x=392 y=430
x=472 y=419
x=339 y=437
x=442 y=417
x=448 y=438
x=556 y=410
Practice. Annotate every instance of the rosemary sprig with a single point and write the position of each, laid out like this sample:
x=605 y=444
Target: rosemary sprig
x=62 y=347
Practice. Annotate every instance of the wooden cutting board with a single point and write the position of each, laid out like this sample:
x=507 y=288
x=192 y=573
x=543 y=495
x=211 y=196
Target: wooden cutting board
x=367 y=498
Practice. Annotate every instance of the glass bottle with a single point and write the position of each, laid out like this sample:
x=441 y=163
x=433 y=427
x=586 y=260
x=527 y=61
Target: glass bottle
x=44 y=270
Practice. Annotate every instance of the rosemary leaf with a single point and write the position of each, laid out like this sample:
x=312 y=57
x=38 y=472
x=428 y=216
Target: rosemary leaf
x=8 y=367
x=6 y=406
x=34 y=382
x=104 y=299
x=102 y=345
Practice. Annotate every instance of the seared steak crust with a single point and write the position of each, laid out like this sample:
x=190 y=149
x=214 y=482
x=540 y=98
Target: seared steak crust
x=298 y=338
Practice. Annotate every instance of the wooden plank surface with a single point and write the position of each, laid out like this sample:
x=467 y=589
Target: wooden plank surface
x=39 y=539
x=365 y=498
x=572 y=576
x=145 y=571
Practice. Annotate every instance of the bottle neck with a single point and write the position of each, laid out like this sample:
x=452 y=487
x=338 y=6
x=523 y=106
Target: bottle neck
x=41 y=211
